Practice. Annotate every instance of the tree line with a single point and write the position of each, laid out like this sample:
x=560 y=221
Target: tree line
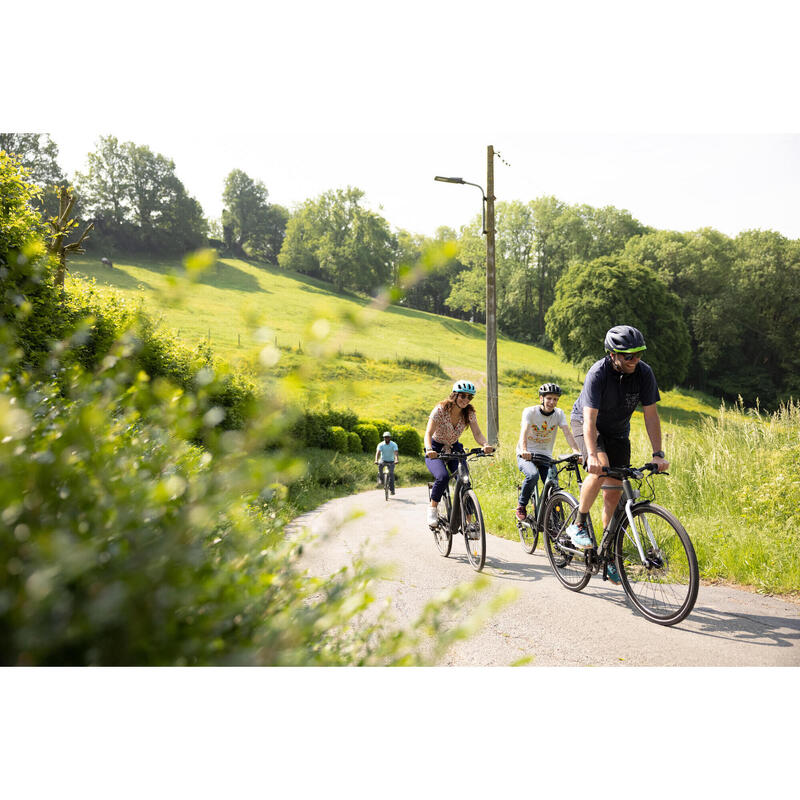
x=719 y=313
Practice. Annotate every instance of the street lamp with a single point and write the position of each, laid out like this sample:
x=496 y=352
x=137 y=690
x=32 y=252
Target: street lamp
x=487 y=211
x=483 y=205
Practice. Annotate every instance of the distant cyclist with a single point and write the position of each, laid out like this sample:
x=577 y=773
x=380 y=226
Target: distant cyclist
x=446 y=423
x=386 y=458
x=613 y=387
x=537 y=436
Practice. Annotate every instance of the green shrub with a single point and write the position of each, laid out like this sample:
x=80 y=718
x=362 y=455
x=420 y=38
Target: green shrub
x=381 y=425
x=353 y=443
x=341 y=418
x=369 y=436
x=409 y=442
x=338 y=438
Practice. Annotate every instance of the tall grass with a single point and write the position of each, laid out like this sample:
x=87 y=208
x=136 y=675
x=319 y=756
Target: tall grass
x=734 y=482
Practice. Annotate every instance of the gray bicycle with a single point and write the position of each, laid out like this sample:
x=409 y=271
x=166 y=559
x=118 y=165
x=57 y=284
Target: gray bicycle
x=651 y=550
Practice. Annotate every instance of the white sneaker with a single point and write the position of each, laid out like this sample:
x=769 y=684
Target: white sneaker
x=433 y=517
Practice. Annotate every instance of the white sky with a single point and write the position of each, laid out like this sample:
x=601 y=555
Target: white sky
x=684 y=113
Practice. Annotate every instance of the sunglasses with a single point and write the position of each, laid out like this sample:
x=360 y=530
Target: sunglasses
x=462 y=395
x=628 y=356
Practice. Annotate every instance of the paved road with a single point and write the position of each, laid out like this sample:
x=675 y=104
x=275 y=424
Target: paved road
x=546 y=623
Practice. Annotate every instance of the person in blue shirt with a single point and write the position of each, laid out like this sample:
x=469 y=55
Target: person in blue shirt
x=600 y=419
x=386 y=458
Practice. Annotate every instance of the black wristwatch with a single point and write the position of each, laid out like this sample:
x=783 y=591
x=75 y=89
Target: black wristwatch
x=658 y=454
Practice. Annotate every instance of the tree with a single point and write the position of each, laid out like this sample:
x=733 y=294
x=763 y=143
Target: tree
x=433 y=285
x=105 y=187
x=766 y=360
x=138 y=202
x=38 y=154
x=698 y=267
x=251 y=226
x=335 y=238
x=594 y=296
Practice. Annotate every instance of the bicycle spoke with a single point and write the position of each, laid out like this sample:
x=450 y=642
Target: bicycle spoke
x=569 y=568
x=664 y=588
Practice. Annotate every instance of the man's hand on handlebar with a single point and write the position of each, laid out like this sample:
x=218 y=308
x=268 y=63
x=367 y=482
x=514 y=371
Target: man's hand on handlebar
x=487 y=448
x=661 y=463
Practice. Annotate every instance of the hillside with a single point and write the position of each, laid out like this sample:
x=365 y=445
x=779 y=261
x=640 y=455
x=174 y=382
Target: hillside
x=396 y=363
x=237 y=297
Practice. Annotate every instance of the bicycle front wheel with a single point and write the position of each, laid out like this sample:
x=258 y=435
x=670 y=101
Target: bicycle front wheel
x=441 y=533
x=386 y=485
x=474 y=530
x=572 y=570
x=664 y=589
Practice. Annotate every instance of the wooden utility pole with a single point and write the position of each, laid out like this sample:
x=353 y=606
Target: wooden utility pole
x=492 y=416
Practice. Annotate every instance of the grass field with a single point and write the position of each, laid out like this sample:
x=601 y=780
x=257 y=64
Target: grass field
x=725 y=462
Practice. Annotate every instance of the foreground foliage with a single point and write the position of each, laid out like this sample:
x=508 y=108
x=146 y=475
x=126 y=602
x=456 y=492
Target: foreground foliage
x=141 y=523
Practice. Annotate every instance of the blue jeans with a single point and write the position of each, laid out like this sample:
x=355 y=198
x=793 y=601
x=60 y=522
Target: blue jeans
x=532 y=472
x=438 y=468
x=389 y=465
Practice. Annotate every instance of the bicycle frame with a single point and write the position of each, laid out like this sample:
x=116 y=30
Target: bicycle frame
x=630 y=497
x=463 y=483
x=550 y=485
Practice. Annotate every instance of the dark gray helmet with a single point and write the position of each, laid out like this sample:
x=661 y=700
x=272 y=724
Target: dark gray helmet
x=624 y=339
x=550 y=388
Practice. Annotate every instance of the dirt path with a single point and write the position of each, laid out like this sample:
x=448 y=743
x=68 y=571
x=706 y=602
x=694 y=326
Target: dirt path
x=547 y=623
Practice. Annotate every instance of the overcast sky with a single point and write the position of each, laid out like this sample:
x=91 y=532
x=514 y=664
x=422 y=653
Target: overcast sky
x=685 y=114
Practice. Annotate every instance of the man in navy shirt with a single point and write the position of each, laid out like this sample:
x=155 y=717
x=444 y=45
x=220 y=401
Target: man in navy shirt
x=613 y=388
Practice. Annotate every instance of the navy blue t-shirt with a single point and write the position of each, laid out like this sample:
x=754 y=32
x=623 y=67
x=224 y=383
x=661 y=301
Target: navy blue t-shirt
x=615 y=396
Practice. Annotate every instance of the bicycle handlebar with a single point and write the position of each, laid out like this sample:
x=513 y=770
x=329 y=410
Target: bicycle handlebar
x=632 y=472
x=572 y=458
x=475 y=451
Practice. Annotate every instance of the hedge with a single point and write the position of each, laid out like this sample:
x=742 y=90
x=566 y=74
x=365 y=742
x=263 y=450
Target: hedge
x=369 y=436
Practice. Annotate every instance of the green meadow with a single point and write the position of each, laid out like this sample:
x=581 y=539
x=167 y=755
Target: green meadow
x=735 y=479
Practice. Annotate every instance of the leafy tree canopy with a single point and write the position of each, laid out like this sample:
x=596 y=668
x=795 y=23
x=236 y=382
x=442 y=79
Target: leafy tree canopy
x=335 y=238
x=594 y=296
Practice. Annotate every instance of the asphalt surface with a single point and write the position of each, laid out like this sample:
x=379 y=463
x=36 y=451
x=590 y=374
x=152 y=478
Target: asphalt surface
x=546 y=624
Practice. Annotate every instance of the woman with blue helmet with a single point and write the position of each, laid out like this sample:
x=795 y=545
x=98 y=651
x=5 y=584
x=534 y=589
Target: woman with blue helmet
x=446 y=423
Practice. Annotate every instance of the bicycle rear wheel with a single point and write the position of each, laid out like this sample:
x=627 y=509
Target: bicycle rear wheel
x=571 y=570
x=665 y=589
x=441 y=533
x=528 y=534
x=474 y=530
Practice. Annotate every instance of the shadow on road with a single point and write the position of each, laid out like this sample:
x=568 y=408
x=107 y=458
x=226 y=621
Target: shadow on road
x=762 y=630
x=509 y=570
x=757 y=629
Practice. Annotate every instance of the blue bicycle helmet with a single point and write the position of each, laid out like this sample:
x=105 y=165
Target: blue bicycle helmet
x=465 y=386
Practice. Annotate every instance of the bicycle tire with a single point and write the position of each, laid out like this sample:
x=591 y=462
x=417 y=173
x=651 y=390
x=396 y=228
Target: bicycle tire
x=528 y=535
x=664 y=592
x=441 y=533
x=474 y=530
x=571 y=570
x=386 y=485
